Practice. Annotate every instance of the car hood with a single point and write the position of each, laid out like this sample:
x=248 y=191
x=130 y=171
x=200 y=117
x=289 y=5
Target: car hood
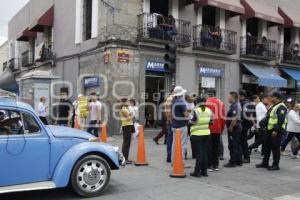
x=65 y=132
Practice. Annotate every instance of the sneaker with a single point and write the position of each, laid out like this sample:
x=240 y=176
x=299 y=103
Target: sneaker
x=293 y=156
x=216 y=169
x=221 y=158
x=128 y=162
x=283 y=153
x=210 y=170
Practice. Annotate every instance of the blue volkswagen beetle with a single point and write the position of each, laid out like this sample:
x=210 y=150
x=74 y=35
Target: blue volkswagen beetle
x=36 y=157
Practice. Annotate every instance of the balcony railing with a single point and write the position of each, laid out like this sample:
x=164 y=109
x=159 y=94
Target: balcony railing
x=13 y=64
x=46 y=52
x=259 y=47
x=27 y=58
x=158 y=28
x=214 y=39
x=290 y=53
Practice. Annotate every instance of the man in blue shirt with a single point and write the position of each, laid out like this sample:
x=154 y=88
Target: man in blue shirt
x=180 y=118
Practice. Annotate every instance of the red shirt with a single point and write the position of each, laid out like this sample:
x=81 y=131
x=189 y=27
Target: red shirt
x=218 y=109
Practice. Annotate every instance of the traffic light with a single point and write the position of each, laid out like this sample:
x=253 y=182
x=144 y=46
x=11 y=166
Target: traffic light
x=170 y=58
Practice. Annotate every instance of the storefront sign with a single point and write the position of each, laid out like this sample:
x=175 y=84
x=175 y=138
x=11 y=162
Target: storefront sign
x=106 y=57
x=155 y=66
x=91 y=82
x=123 y=56
x=208 y=82
x=211 y=72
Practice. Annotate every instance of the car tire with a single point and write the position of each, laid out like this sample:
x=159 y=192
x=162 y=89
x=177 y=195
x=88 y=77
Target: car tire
x=90 y=176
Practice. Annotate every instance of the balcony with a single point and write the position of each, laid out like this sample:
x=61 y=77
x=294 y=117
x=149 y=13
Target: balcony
x=214 y=39
x=45 y=53
x=291 y=53
x=13 y=64
x=160 y=29
x=27 y=58
x=258 y=48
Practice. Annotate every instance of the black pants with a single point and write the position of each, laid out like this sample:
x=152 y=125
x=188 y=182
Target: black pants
x=244 y=140
x=289 y=139
x=260 y=140
x=272 y=145
x=234 y=145
x=127 y=132
x=44 y=120
x=200 y=144
x=162 y=133
x=94 y=128
x=214 y=150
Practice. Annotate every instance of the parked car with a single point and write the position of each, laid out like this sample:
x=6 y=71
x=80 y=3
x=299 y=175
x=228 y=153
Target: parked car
x=36 y=157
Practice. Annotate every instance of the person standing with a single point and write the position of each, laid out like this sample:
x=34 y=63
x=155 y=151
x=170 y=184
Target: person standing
x=43 y=110
x=246 y=124
x=94 y=108
x=180 y=118
x=202 y=117
x=168 y=114
x=293 y=126
x=164 y=128
x=276 y=124
x=127 y=128
x=190 y=106
x=64 y=110
x=216 y=129
x=234 y=128
x=260 y=113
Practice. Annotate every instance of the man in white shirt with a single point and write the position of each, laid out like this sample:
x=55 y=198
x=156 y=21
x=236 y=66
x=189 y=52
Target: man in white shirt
x=260 y=112
x=94 y=108
x=42 y=110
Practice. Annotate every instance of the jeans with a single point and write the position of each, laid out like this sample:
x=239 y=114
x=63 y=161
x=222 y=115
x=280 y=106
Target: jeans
x=184 y=140
x=213 y=150
x=200 y=145
x=169 y=142
x=234 y=145
x=289 y=139
x=94 y=128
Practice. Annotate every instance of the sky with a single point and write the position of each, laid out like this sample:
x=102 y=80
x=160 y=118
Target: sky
x=8 y=9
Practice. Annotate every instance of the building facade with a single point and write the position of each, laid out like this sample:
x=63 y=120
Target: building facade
x=117 y=48
x=3 y=56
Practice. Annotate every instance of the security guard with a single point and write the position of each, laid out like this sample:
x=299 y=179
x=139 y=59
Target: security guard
x=202 y=117
x=276 y=124
x=234 y=128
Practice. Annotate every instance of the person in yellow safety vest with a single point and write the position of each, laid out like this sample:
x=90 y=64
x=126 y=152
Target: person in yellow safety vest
x=202 y=117
x=276 y=125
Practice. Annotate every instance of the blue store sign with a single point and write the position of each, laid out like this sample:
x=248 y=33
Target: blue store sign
x=155 y=66
x=211 y=72
x=93 y=81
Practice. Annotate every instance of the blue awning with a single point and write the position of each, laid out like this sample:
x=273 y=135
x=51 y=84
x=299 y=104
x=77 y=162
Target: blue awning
x=295 y=74
x=266 y=76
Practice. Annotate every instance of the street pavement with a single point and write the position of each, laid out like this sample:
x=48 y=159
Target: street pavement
x=153 y=182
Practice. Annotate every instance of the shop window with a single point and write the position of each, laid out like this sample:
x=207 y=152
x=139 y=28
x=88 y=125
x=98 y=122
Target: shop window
x=87 y=19
x=252 y=27
x=209 y=16
x=160 y=7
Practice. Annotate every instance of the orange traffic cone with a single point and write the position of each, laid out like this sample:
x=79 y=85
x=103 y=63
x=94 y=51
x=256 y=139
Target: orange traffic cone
x=103 y=137
x=141 y=153
x=178 y=166
x=77 y=123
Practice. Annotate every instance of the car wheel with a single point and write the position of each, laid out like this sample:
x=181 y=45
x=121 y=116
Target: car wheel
x=90 y=176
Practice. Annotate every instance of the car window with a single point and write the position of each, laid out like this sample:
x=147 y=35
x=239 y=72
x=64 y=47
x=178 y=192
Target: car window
x=11 y=123
x=30 y=124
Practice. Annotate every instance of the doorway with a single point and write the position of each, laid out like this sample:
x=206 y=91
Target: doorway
x=160 y=7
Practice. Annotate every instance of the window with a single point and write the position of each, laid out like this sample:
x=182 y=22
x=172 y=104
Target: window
x=87 y=19
x=209 y=16
x=160 y=7
x=16 y=123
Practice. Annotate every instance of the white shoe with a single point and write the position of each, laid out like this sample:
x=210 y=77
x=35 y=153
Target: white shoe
x=283 y=153
x=210 y=170
x=216 y=169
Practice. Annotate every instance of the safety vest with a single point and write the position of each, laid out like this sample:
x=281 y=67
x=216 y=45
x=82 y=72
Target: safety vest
x=273 y=119
x=201 y=128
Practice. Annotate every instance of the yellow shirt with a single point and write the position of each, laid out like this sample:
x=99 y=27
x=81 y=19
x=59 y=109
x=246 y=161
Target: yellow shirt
x=125 y=121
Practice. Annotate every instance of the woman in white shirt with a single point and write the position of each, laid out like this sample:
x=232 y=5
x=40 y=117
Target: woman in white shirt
x=43 y=110
x=293 y=125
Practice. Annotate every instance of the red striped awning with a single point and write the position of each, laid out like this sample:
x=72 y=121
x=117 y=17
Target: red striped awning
x=291 y=18
x=25 y=35
x=230 y=5
x=47 y=19
x=261 y=10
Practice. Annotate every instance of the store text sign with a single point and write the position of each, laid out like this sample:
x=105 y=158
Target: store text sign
x=92 y=82
x=123 y=56
x=211 y=72
x=155 y=66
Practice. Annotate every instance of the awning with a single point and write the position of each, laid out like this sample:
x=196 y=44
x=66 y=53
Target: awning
x=295 y=74
x=47 y=19
x=25 y=35
x=230 y=5
x=291 y=18
x=261 y=10
x=266 y=76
